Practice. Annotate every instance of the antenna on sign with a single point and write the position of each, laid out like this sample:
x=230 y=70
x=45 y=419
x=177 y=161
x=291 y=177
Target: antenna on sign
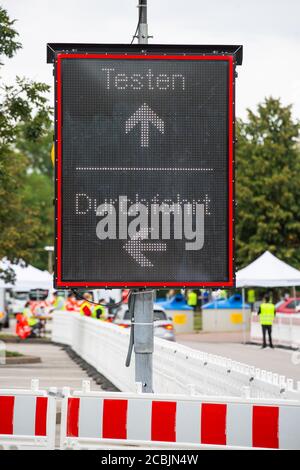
x=141 y=31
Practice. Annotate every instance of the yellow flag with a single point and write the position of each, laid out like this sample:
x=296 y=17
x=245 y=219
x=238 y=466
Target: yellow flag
x=52 y=154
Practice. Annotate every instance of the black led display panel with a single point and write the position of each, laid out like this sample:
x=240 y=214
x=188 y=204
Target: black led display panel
x=144 y=170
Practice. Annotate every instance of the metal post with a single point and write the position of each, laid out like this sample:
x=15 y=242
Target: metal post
x=50 y=262
x=244 y=316
x=143 y=339
x=143 y=305
x=143 y=26
x=50 y=250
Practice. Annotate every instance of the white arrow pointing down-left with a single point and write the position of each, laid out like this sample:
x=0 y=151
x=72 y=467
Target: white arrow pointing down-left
x=136 y=246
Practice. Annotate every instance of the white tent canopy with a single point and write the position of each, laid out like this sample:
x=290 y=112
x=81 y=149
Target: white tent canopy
x=27 y=277
x=268 y=271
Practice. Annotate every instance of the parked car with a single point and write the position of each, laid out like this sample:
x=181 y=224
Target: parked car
x=291 y=305
x=163 y=325
x=4 y=315
x=17 y=301
x=38 y=294
x=4 y=319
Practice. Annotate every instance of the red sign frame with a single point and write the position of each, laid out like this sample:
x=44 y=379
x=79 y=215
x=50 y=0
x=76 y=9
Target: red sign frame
x=59 y=282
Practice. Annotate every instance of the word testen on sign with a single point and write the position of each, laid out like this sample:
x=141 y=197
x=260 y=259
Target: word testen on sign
x=145 y=170
x=148 y=81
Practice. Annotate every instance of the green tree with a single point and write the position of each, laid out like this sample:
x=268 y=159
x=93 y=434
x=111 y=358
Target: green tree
x=8 y=35
x=37 y=151
x=268 y=189
x=22 y=105
x=38 y=189
x=38 y=195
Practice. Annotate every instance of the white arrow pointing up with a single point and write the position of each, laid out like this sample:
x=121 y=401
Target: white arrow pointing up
x=145 y=116
x=135 y=248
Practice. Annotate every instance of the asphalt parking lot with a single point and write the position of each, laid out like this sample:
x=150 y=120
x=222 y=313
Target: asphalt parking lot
x=56 y=368
x=278 y=360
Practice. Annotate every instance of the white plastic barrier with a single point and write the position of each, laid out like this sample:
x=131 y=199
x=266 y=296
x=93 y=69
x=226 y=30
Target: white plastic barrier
x=177 y=368
x=94 y=419
x=27 y=419
x=286 y=330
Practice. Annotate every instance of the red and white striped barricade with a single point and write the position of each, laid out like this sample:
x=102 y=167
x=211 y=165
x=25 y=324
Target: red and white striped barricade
x=93 y=419
x=27 y=419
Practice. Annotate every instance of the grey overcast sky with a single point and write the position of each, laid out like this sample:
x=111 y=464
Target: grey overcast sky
x=268 y=29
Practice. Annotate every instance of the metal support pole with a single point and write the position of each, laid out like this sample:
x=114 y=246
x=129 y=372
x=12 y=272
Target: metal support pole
x=143 y=305
x=143 y=26
x=50 y=262
x=244 y=317
x=144 y=339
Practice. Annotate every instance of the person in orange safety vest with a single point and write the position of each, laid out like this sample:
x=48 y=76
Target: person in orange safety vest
x=72 y=304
